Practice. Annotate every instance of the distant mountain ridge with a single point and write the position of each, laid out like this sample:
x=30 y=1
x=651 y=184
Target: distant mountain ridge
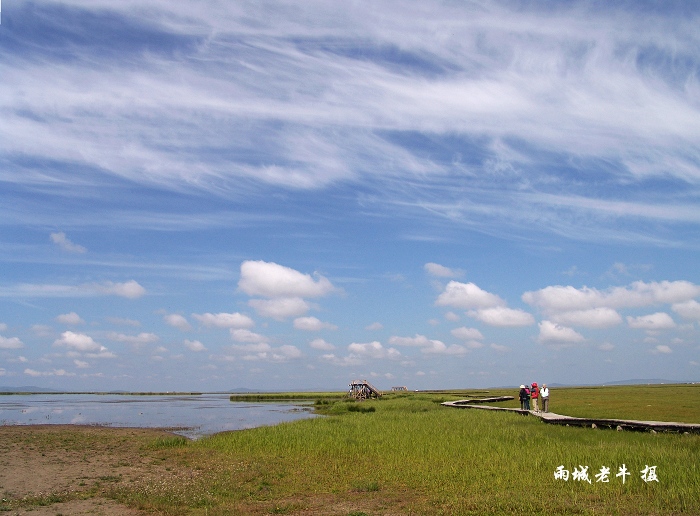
x=26 y=388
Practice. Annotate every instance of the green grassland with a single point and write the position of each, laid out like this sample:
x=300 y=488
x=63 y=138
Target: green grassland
x=407 y=454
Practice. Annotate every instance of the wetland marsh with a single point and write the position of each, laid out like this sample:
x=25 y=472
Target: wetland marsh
x=409 y=455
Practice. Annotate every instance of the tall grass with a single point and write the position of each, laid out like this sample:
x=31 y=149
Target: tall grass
x=437 y=460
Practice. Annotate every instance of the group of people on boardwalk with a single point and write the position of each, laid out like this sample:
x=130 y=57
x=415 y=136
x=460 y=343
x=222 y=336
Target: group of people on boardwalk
x=534 y=393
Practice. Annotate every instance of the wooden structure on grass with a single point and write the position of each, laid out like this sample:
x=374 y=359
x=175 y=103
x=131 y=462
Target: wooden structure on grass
x=362 y=390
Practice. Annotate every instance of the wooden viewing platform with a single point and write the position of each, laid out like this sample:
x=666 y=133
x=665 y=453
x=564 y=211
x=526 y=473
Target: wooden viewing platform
x=362 y=390
x=558 y=419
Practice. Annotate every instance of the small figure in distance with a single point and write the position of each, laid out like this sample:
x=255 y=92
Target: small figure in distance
x=523 y=397
x=535 y=394
x=544 y=395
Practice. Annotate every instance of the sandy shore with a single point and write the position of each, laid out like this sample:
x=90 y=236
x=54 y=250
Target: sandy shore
x=66 y=469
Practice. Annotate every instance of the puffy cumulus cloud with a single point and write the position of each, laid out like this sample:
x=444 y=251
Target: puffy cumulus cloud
x=464 y=333
x=243 y=335
x=81 y=364
x=177 y=321
x=268 y=279
x=553 y=333
x=467 y=296
x=657 y=321
x=280 y=308
x=503 y=316
x=499 y=348
x=428 y=345
x=440 y=271
x=374 y=326
x=440 y=348
x=130 y=289
x=312 y=324
x=264 y=352
x=137 y=340
x=373 y=350
x=71 y=318
x=558 y=298
x=224 y=320
x=54 y=372
x=418 y=341
x=662 y=348
x=321 y=344
x=452 y=317
x=10 y=343
x=592 y=318
x=688 y=310
x=347 y=361
x=78 y=342
x=606 y=346
x=61 y=240
x=194 y=345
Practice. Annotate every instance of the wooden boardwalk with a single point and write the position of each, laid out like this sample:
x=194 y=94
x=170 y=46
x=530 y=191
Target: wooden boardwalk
x=558 y=419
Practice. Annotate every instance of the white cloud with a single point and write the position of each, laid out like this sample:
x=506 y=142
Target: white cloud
x=194 y=345
x=267 y=279
x=280 y=308
x=552 y=332
x=224 y=320
x=55 y=372
x=78 y=342
x=663 y=349
x=467 y=295
x=688 y=309
x=62 y=241
x=600 y=317
x=130 y=289
x=373 y=349
x=499 y=348
x=464 y=333
x=418 y=341
x=657 y=321
x=606 y=346
x=440 y=271
x=374 y=326
x=312 y=324
x=243 y=335
x=639 y=294
x=140 y=339
x=452 y=317
x=321 y=344
x=10 y=343
x=3 y=327
x=71 y=318
x=177 y=321
x=80 y=364
x=502 y=316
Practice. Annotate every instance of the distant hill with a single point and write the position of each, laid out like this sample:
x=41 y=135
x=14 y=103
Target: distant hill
x=25 y=388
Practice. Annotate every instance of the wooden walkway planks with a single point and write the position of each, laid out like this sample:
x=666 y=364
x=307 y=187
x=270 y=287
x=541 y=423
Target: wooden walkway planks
x=559 y=419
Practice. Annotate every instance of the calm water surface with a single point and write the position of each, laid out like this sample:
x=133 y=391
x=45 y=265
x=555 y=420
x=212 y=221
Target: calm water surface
x=191 y=416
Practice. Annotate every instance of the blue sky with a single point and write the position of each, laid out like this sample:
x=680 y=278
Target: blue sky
x=283 y=195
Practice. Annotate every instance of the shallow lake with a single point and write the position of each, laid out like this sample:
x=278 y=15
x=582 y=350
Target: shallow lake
x=190 y=415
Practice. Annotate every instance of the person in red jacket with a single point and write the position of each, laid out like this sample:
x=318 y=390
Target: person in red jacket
x=535 y=394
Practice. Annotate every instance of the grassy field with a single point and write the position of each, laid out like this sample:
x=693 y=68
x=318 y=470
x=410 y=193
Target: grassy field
x=407 y=454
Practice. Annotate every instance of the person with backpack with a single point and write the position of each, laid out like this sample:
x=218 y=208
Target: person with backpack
x=535 y=395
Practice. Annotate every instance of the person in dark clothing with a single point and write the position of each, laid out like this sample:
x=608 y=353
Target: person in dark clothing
x=524 y=398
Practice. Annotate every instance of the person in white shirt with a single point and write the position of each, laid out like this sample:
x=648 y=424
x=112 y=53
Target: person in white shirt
x=544 y=397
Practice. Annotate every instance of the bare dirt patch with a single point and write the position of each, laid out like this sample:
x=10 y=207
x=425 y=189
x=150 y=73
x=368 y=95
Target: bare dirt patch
x=56 y=469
